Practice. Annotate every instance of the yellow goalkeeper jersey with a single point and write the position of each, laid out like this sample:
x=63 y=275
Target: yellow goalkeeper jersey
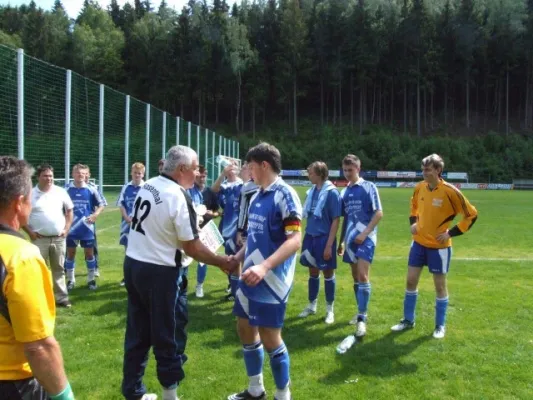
x=434 y=210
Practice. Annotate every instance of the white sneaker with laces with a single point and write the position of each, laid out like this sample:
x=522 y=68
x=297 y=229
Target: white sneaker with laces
x=402 y=326
x=199 y=291
x=307 y=311
x=361 y=329
x=330 y=318
x=346 y=344
x=149 y=396
x=439 y=332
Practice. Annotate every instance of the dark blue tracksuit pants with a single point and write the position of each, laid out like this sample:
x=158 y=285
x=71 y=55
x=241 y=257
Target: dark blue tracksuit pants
x=157 y=317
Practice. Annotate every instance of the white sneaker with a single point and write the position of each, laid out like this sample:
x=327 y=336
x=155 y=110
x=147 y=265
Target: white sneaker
x=199 y=291
x=402 y=326
x=330 y=318
x=149 y=396
x=361 y=329
x=307 y=311
x=439 y=332
x=346 y=344
x=353 y=321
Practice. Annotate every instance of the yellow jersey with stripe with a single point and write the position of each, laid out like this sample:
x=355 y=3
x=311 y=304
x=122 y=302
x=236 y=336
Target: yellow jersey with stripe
x=28 y=293
x=434 y=210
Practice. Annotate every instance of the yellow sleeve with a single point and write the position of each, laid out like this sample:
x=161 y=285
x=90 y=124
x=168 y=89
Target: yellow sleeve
x=467 y=210
x=414 y=206
x=30 y=298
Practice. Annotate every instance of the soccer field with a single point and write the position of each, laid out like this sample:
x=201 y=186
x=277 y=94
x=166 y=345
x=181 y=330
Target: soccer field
x=486 y=353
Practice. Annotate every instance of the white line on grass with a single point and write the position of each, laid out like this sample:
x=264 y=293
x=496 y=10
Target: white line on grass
x=98 y=231
x=493 y=259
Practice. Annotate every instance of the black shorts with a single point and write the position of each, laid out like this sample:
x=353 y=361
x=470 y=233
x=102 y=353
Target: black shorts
x=25 y=389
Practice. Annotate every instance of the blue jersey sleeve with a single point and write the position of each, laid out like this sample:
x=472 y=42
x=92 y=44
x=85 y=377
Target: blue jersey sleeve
x=334 y=204
x=374 y=198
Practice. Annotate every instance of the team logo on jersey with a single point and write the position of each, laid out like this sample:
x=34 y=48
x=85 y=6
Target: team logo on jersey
x=258 y=205
x=437 y=202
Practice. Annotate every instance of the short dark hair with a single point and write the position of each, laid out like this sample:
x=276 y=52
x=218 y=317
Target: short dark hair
x=351 y=159
x=320 y=168
x=43 y=167
x=267 y=153
x=201 y=168
x=15 y=179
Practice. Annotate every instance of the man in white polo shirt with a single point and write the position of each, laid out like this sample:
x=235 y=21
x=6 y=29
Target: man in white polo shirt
x=163 y=237
x=49 y=223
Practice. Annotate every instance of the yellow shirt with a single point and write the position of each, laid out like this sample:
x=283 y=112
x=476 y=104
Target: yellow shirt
x=434 y=210
x=27 y=288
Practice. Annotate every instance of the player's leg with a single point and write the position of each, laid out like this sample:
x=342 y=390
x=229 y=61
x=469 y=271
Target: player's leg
x=90 y=262
x=57 y=266
x=329 y=281
x=201 y=272
x=364 y=289
x=96 y=258
x=138 y=326
x=70 y=265
x=252 y=350
x=308 y=259
x=169 y=321
x=417 y=259
x=231 y=249
x=439 y=265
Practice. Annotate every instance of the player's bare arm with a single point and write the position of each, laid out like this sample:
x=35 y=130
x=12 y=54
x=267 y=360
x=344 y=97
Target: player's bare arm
x=331 y=238
x=370 y=227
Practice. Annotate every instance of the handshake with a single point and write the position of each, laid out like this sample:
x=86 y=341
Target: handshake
x=228 y=264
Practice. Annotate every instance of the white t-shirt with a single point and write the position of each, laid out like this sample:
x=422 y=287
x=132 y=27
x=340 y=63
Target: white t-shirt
x=163 y=217
x=47 y=216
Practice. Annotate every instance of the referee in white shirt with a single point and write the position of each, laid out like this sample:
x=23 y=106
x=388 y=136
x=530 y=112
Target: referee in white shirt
x=49 y=223
x=163 y=238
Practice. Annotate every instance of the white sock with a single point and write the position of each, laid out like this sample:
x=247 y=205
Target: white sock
x=90 y=275
x=283 y=394
x=170 y=394
x=255 y=385
x=70 y=275
x=329 y=307
x=312 y=305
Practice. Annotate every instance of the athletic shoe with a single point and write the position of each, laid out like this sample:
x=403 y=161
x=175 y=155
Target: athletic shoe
x=97 y=272
x=149 y=396
x=330 y=318
x=360 y=330
x=92 y=285
x=346 y=344
x=229 y=297
x=228 y=289
x=123 y=282
x=245 y=395
x=199 y=291
x=70 y=285
x=64 y=304
x=402 y=326
x=439 y=332
x=309 y=310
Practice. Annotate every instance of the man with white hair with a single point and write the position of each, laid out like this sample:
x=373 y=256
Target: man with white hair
x=162 y=241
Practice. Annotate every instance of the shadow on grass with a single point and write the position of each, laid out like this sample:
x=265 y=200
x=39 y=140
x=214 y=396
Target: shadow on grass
x=380 y=357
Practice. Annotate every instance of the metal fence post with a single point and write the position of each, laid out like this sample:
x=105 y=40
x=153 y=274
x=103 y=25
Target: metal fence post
x=127 y=141
x=20 y=102
x=68 y=102
x=147 y=142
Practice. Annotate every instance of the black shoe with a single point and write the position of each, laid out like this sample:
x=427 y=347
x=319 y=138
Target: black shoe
x=64 y=304
x=229 y=297
x=123 y=282
x=246 y=396
x=92 y=285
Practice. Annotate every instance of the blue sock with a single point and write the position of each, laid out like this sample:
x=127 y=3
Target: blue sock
x=329 y=285
x=355 y=290
x=253 y=358
x=69 y=264
x=441 y=306
x=91 y=263
x=234 y=282
x=313 y=285
x=201 y=272
x=409 y=305
x=363 y=297
x=280 y=364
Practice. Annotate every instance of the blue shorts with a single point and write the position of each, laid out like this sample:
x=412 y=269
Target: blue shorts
x=259 y=314
x=364 y=251
x=313 y=253
x=437 y=260
x=230 y=247
x=123 y=240
x=86 y=244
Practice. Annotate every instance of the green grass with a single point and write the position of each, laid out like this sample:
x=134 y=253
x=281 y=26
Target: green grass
x=486 y=353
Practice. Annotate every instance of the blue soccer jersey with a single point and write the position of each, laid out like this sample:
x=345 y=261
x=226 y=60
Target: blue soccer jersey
x=126 y=199
x=274 y=212
x=86 y=199
x=228 y=198
x=320 y=226
x=360 y=201
x=196 y=195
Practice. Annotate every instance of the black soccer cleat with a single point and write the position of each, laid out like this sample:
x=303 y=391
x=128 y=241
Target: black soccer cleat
x=245 y=395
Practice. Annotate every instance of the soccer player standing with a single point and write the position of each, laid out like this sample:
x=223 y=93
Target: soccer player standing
x=362 y=212
x=269 y=257
x=434 y=205
x=322 y=208
x=228 y=197
x=88 y=204
x=125 y=202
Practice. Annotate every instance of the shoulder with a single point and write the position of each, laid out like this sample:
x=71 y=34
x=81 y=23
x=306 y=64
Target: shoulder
x=283 y=193
x=16 y=249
